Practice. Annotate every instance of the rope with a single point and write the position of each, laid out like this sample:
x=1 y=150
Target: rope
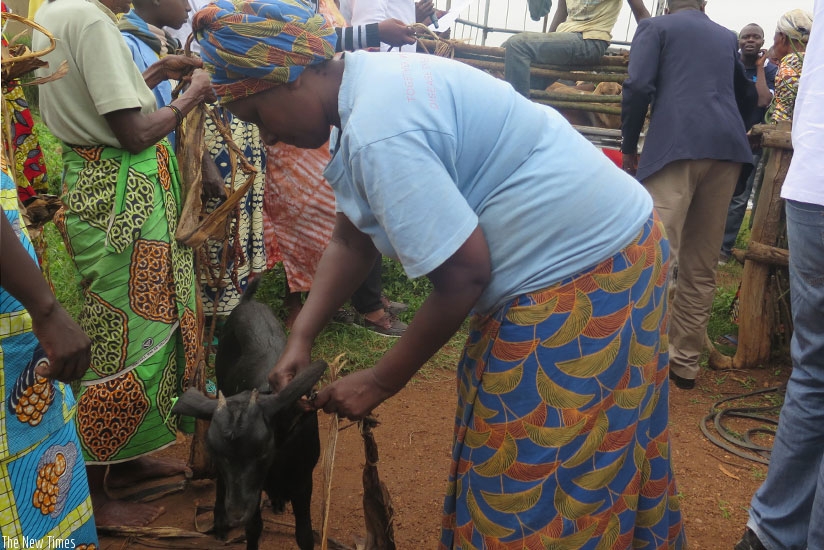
x=443 y=48
x=734 y=443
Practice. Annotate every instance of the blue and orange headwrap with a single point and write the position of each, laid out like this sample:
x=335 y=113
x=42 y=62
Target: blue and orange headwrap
x=249 y=46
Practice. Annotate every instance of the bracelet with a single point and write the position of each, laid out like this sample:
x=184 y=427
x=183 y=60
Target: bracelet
x=178 y=114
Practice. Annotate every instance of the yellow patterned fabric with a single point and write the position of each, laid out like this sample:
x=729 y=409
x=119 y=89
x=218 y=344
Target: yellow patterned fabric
x=44 y=494
x=786 y=87
x=561 y=437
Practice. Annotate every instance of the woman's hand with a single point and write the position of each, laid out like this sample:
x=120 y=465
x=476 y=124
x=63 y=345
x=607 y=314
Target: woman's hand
x=66 y=345
x=294 y=358
x=175 y=67
x=353 y=396
x=396 y=33
x=212 y=183
x=200 y=86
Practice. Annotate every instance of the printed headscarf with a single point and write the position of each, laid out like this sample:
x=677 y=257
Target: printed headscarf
x=249 y=46
x=796 y=24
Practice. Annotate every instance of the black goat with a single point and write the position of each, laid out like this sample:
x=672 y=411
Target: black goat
x=258 y=440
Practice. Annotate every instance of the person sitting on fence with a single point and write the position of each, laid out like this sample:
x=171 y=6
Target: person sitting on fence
x=579 y=34
x=563 y=372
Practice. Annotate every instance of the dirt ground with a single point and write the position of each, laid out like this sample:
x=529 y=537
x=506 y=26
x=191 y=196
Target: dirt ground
x=414 y=444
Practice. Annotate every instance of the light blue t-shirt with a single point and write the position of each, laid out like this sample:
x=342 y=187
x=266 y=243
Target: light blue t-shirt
x=429 y=148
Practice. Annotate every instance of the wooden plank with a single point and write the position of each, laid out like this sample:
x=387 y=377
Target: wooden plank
x=755 y=317
x=763 y=253
x=576 y=98
x=498 y=66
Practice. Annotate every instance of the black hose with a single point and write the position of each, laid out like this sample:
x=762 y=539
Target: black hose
x=734 y=444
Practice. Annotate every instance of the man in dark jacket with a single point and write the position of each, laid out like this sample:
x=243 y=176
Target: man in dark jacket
x=689 y=69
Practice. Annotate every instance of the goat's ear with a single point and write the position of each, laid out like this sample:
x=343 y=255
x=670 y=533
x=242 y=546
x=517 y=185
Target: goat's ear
x=271 y=405
x=304 y=381
x=194 y=403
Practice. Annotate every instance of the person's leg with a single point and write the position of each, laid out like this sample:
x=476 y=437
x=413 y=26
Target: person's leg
x=108 y=511
x=554 y=48
x=367 y=301
x=367 y=298
x=737 y=210
x=787 y=511
x=703 y=231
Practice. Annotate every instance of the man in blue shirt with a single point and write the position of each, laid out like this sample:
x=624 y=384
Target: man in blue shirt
x=750 y=43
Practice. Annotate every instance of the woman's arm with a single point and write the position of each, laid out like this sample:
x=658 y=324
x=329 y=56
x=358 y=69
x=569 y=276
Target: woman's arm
x=342 y=268
x=458 y=283
x=136 y=131
x=65 y=344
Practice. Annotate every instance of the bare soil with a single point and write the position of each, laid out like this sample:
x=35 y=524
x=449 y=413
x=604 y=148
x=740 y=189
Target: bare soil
x=414 y=443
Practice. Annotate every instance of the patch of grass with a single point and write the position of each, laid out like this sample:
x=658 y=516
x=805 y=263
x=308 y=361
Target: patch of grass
x=62 y=273
x=363 y=348
x=742 y=241
x=52 y=152
x=749 y=383
x=720 y=322
x=724 y=506
x=775 y=398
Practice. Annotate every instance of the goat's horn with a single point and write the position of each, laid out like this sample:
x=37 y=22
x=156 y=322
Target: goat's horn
x=253 y=398
x=221 y=400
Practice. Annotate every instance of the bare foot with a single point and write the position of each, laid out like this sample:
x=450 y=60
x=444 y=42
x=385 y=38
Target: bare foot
x=127 y=474
x=109 y=512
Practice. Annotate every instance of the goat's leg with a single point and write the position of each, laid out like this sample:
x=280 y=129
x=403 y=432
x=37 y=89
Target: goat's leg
x=221 y=518
x=302 y=507
x=254 y=528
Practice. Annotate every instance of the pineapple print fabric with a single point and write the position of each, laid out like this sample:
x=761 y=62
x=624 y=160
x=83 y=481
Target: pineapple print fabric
x=561 y=434
x=44 y=494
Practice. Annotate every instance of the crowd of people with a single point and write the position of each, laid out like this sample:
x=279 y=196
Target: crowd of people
x=563 y=385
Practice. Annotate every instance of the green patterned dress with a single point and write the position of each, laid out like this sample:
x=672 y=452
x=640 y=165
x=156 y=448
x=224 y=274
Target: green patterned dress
x=118 y=223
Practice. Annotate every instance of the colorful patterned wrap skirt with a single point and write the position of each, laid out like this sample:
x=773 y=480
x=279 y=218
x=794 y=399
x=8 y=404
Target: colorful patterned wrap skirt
x=561 y=436
x=44 y=493
x=119 y=220
x=246 y=254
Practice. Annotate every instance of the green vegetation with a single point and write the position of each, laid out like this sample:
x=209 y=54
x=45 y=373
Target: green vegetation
x=53 y=153
x=361 y=347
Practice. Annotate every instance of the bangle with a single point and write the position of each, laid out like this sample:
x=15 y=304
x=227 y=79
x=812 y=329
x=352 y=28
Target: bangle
x=178 y=114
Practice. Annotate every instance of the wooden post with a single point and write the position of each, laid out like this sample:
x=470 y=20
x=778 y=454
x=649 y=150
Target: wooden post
x=755 y=301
